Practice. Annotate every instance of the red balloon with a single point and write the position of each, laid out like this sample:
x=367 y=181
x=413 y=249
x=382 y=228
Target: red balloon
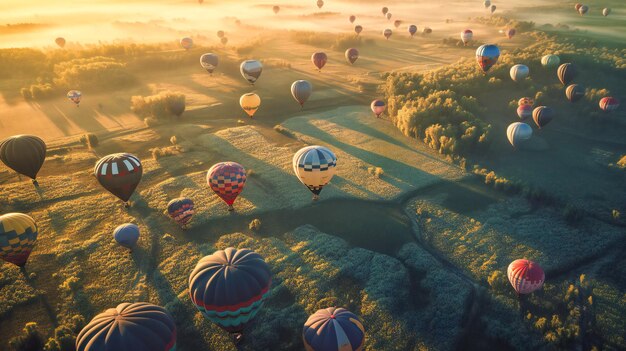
x=525 y=276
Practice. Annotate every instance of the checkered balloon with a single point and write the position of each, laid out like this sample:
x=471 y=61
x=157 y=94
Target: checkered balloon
x=18 y=233
x=227 y=180
x=314 y=166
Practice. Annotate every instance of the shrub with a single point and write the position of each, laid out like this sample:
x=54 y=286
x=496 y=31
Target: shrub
x=150 y=122
x=90 y=140
x=284 y=131
x=101 y=72
x=622 y=162
x=255 y=225
x=70 y=284
x=376 y=171
x=616 y=215
x=31 y=340
x=160 y=106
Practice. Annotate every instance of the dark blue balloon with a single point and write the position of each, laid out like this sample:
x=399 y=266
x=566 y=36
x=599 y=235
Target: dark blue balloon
x=333 y=329
x=127 y=235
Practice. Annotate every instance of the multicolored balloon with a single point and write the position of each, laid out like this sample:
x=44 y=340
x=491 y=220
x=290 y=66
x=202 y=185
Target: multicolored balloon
x=75 y=96
x=378 y=107
x=24 y=154
x=139 y=326
x=550 y=61
x=186 y=43
x=574 y=92
x=127 y=235
x=301 y=91
x=333 y=329
x=608 y=104
x=519 y=72
x=227 y=180
x=466 y=36
x=60 y=42
x=119 y=174
x=209 y=62
x=18 y=234
x=542 y=115
x=525 y=276
x=314 y=166
x=181 y=210
x=250 y=103
x=319 y=59
x=525 y=101
x=518 y=132
x=352 y=55
x=387 y=33
x=487 y=55
x=230 y=286
x=566 y=73
x=251 y=70
x=524 y=111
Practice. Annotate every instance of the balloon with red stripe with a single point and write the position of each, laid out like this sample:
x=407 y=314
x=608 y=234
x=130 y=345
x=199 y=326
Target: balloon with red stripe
x=230 y=286
x=608 y=104
x=181 y=210
x=525 y=276
x=119 y=174
x=227 y=180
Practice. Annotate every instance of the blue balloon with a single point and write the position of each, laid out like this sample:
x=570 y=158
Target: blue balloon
x=487 y=55
x=127 y=235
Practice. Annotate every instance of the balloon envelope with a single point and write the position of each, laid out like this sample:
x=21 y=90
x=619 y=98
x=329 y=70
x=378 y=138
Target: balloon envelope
x=301 y=91
x=388 y=15
x=230 y=286
x=608 y=104
x=352 y=18
x=378 y=107
x=518 y=132
x=60 y=41
x=542 y=115
x=550 y=60
x=314 y=166
x=385 y=10
x=519 y=72
x=524 y=111
x=220 y=34
x=209 y=62
x=358 y=29
x=466 y=36
x=574 y=92
x=397 y=23
x=412 y=29
x=427 y=30
x=510 y=33
x=320 y=3
x=583 y=9
x=487 y=3
x=227 y=180
x=387 y=33
x=319 y=59
x=251 y=70
x=136 y=326
x=119 y=174
x=127 y=235
x=487 y=55
x=333 y=329
x=566 y=73
x=250 y=103
x=606 y=12
x=276 y=9
x=18 y=233
x=24 y=154
x=181 y=210
x=493 y=8
x=525 y=276
x=186 y=43
x=75 y=96
x=352 y=55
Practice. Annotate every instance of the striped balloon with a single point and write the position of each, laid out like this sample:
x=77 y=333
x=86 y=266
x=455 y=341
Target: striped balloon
x=542 y=115
x=525 y=276
x=550 y=61
x=227 y=180
x=75 y=96
x=18 y=233
x=119 y=174
x=230 y=286
x=333 y=329
x=181 y=210
x=136 y=326
x=608 y=104
x=314 y=166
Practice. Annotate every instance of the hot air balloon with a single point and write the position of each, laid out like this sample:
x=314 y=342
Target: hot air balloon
x=358 y=29
x=487 y=56
x=333 y=329
x=138 y=326
x=487 y=3
x=608 y=104
x=314 y=166
x=224 y=41
x=186 y=43
x=127 y=235
x=60 y=42
x=301 y=90
x=518 y=132
x=397 y=23
x=251 y=70
x=519 y=72
x=209 y=62
x=319 y=60
x=566 y=73
x=18 y=233
x=119 y=174
x=250 y=102
x=574 y=92
x=583 y=10
x=200 y=2
x=276 y=9
x=227 y=180
x=352 y=18
x=24 y=154
x=352 y=55
x=320 y=3
x=550 y=61
x=492 y=9
x=606 y=11
x=525 y=276
x=542 y=115
x=220 y=34
x=524 y=111
x=75 y=96
x=387 y=33
x=378 y=107
x=388 y=15
x=510 y=33
x=229 y=287
x=181 y=210
x=525 y=101
x=466 y=36
x=577 y=6
x=426 y=30
x=385 y=10
x=412 y=29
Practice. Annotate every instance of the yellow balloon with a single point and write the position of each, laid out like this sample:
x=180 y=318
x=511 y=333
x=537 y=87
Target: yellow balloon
x=250 y=103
